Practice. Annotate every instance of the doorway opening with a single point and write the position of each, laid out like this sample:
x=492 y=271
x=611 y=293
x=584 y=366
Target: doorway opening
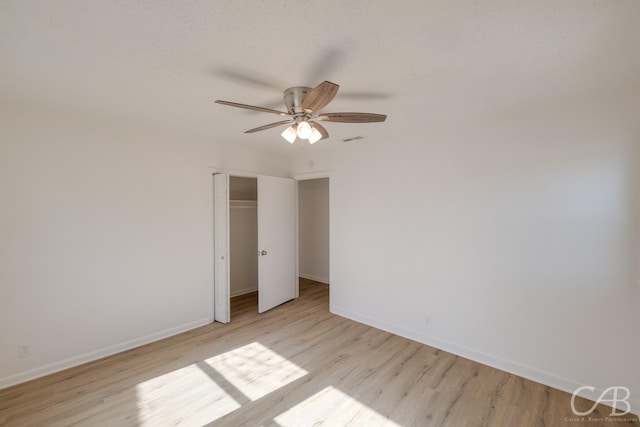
x=267 y=203
x=313 y=232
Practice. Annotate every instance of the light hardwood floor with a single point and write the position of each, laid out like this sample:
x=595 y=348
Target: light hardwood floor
x=297 y=365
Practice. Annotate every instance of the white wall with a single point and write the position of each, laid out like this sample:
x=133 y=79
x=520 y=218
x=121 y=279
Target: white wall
x=514 y=235
x=106 y=236
x=313 y=229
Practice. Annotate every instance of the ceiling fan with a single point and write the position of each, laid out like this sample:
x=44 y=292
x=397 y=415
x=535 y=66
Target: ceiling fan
x=303 y=105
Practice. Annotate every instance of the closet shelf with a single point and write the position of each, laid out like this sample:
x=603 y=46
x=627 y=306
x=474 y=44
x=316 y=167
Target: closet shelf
x=243 y=203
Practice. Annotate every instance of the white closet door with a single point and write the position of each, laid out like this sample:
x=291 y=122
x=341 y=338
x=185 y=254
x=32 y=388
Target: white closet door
x=222 y=310
x=277 y=281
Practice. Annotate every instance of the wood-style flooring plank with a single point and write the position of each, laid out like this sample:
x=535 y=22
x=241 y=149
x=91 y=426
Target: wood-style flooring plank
x=296 y=365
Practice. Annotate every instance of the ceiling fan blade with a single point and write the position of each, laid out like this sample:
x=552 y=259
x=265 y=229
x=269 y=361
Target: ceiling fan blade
x=269 y=126
x=357 y=96
x=247 y=79
x=321 y=129
x=252 y=107
x=326 y=63
x=319 y=97
x=352 y=117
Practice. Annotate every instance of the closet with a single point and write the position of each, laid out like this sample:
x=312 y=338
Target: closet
x=252 y=214
x=243 y=235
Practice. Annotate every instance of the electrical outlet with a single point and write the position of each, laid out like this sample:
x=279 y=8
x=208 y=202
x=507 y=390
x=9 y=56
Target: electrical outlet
x=24 y=350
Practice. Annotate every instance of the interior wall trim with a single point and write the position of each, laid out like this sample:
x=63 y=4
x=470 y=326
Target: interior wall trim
x=244 y=291
x=313 y=175
x=515 y=368
x=323 y=280
x=243 y=173
x=97 y=354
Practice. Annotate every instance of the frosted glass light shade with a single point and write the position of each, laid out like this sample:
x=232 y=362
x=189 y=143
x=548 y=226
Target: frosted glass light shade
x=289 y=134
x=315 y=136
x=304 y=130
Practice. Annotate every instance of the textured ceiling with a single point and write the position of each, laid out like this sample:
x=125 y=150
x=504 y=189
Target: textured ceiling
x=427 y=63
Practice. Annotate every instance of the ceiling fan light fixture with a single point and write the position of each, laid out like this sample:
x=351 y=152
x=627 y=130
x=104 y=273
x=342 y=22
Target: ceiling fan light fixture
x=315 y=136
x=304 y=130
x=303 y=105
x=290 y=134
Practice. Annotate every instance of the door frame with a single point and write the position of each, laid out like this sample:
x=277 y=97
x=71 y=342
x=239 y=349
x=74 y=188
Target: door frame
x=221 y=313
x=245 y=174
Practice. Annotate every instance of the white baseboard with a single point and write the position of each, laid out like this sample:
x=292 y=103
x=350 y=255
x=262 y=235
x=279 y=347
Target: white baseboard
x=511 y=367
x=239 y=292
x=95 y=355
x=316 y=278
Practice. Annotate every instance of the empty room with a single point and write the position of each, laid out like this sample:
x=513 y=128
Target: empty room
x=338 y=213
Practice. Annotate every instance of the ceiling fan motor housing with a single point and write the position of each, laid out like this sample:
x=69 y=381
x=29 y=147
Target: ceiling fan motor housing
x=294 y=97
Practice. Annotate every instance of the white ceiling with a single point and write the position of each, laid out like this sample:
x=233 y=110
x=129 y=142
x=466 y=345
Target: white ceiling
x=425 y=64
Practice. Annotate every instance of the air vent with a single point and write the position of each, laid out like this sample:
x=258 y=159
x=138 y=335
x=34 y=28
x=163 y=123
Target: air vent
x=354 y=138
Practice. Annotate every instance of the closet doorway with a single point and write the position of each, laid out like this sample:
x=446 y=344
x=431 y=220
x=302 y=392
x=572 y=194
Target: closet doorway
x=254 y=241
x=243 y=239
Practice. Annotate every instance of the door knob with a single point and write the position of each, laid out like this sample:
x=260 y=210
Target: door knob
x=263 y=253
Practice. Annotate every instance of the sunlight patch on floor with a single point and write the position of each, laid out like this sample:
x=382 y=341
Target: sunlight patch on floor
x=332 y=407
x=185 y=396
x=208 y=390
x=254 y=370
